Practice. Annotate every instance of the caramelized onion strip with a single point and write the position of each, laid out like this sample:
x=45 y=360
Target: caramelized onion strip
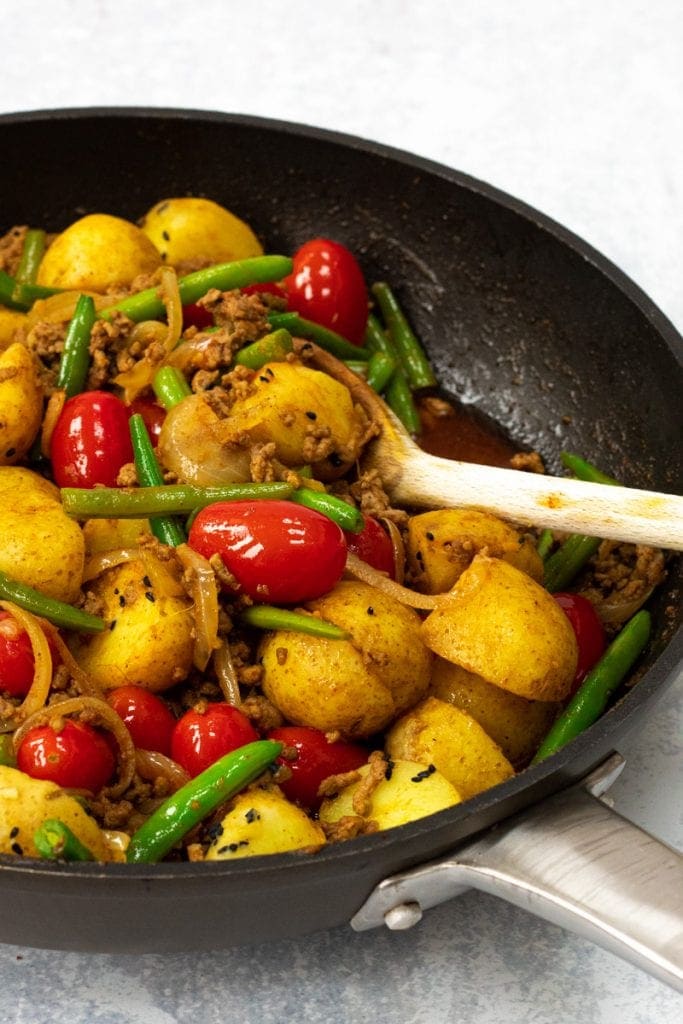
x=95 y=565
x=398 y=546
x=42 y=672
x=201 y=580
x=360 y=570
x=151 y=765
x=226 y=674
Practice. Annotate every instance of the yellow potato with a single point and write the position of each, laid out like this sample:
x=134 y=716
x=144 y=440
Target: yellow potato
x=441 y=544
x=190 y=229
x=498 y=623
x=356 y=686
x=10 y=321
x=151 y=641
x=21 y=403
x=413 y=791
x=438 y=733
x=517 y=725
x=263 y=821
x=98 y=253
x=26 y=803
x=108 y=534
x=39 y=544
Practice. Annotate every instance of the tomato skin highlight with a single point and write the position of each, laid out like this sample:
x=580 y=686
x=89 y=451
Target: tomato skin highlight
x=316 y=760
x=146 y=716
x=76 y=757
x=91 y=441
x=200 y=738
x=588 y=629
x=373 y=545
x=327 y=285
x=278 y=552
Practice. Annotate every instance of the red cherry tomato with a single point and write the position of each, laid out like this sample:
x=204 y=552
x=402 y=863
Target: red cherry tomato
x=278 y=552
x=269 y=287
x=373 y=545
x=200 y=738
x=148 y=719
x=17 y=663
x=590 y=635
x=196 y=316
x=327 y=285
x=152 y=413
x=76 y=757
x=316 y=760
x=91 y=440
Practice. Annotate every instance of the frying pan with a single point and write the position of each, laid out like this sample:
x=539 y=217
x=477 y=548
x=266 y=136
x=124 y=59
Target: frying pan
x=543 y=335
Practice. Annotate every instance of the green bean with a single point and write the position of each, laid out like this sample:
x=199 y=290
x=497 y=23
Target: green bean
x=7 y=289
x=198 y=798
x=585 y=470
x=591 y=699
x=170 y=386
x=8 y=759
x=273 y=347
x=357 y=366
x=377 y=339
x=380 y=370
x=147 y=305
x=345 y=515
x=32 y=254
x=563 y=565
x=55 y=841
x=167 y=529
x=265 y=616
x=75 y=361
x=411 y=355
x=327 y=339
x=545 y=543
x=397 y=392
x=50 y=608
x=142 y=502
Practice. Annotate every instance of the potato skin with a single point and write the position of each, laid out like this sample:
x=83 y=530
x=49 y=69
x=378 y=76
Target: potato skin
x=151 y=643
x=263 y=821
x=412 y=792
x=40 y=545
x=21 y=403
x=498 y=623
x=25 y=803
x=108 y=534
x=437 y=733
x=442 y=543
x=190 y=229
x=356 y=686
x=97 y=253
x=517 y=725
x=10 y=321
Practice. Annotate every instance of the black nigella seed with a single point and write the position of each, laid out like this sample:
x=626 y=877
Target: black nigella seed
x=14 y=833
x=150 y=596
x=18 y=849
x=146 y=581
x=252 y=815
x=165 y=235
x=389 y=770
x=429 y=535
x=429 y=770
x=311 y=415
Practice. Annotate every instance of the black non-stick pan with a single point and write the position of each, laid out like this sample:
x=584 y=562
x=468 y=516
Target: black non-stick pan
x=546 y=337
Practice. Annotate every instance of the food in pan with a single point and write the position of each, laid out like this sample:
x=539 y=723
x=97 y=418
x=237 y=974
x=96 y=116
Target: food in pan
x=218 y=637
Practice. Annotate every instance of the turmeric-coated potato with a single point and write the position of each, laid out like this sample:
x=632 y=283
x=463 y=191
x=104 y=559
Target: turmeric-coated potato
x=98 y=253
x=441 y=544
x=263 y=821
x=413 y=790
x=21 y=403
x=356 y=686
x=26 y=803
x=39 y=544
x=109 y=534
x=198 y=229
x=517 y=725
x=500 y=624
x=10 y=321
x=149 y=641
x=440 y=734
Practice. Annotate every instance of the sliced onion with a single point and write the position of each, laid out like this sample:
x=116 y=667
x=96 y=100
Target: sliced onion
x=614 y=610
x=151 y=764
x=87 y=686
x=398 y=546
x=59 y=308
x=204 y=593
x=183 y=357
x=226 y=674
x=141 y=375
x=170 y=296
x=42 y=671
x=360 y=570
x=189 y=447
x=54 y=407
x=95 y=565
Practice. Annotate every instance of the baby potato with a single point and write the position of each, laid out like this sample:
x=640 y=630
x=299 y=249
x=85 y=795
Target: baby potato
x=98 y=253
x=26 y=803
x=190 y=229
x=40 y=545
x=21 y=403
x=413 y=791
x=356 y=686
x=263 y=821
x=150 y=638
x=437 y=733
x=498 y=623
x=10 y=320
x=517 y=725
x=441 y=544
x=108 y=534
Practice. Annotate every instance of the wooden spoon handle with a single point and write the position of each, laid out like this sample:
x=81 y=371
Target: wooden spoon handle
x=575 y=506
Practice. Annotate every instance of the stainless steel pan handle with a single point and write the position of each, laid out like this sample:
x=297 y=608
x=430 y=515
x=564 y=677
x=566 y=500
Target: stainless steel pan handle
x=571 y=860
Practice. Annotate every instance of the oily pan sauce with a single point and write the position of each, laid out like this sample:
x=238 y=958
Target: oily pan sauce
x=454 y=431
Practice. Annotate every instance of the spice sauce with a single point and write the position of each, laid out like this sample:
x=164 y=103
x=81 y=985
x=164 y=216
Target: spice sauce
x=454 y=431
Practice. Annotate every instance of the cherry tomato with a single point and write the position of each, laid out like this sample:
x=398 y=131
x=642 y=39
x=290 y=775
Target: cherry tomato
x=373 y=545
x=327 y=285
x=76 y=757
x=590 y=635
x=152 y=413
x=316 y=759
x=278 y=552
x=90 y=441
x=269 y=287
x=147 y=717
x=200 y=738
x=197 y=316
x=17 y=663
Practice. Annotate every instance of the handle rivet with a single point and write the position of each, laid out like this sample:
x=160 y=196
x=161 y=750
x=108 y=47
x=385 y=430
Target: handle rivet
x=405 y=915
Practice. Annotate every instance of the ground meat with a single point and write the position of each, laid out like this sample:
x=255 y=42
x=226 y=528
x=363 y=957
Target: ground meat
x=348 y=827
x=619 y=576
x=11 y=248
x=109 y=349
x=263 y=715
x=127 y=475
x=373 y=499
x=245 y=316
x=529 y=461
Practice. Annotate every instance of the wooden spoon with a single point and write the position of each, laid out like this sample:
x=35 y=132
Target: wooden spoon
x=415 y=478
